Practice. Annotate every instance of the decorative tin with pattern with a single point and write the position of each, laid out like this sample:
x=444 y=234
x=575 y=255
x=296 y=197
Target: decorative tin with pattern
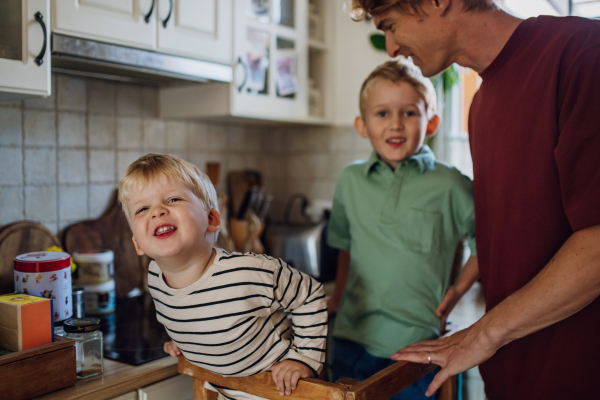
x=47 y=274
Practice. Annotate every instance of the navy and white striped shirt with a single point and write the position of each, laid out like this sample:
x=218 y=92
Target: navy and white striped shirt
x=234 y=320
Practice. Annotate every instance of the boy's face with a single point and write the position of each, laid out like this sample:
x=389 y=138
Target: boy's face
x=169 y=223
x=395 y=121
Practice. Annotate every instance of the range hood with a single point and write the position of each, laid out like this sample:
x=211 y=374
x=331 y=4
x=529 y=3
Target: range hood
x=108 y=61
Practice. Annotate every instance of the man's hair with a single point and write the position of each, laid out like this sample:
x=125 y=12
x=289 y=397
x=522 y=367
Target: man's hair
x=365 y=8
x=396 y=72
x=150 y=167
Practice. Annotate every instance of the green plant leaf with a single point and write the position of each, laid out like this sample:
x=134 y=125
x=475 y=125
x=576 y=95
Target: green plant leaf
x=378 y=41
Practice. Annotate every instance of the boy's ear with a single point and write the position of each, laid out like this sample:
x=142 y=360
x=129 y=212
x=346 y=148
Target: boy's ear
x=432 y=126
x=214 y=221
x=361 y=127
x=139 y=251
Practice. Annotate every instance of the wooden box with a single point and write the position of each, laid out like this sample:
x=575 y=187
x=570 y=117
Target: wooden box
x=39 y=370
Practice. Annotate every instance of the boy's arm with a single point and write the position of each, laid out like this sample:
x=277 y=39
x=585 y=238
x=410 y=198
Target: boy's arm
x=466 y=278
x=340 y=281
x=304 y=299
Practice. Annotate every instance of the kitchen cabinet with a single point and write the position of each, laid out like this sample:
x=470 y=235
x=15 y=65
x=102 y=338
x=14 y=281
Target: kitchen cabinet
x=133 y=395
x=275 y=62
x=199 y=29
x=179 y=387
x=24 y=49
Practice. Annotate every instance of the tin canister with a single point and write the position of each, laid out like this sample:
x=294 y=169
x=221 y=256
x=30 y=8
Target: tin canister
x=93 y=267
x=47 y=274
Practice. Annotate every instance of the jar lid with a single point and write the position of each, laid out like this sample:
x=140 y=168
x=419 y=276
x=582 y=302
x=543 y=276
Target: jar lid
x=81 y=325
x=100 y=255
x=101 y=287
x=42 y=261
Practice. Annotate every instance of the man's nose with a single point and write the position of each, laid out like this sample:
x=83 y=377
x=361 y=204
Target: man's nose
x=390 y=44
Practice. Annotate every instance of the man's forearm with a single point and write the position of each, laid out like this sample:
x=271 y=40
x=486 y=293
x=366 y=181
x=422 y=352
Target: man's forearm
x=567 y=284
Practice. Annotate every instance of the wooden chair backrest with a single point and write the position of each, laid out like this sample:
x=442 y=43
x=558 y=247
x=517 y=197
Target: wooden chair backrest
x=380 y=386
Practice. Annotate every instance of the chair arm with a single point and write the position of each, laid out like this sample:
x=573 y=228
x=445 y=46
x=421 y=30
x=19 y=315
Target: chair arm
x=262 y=384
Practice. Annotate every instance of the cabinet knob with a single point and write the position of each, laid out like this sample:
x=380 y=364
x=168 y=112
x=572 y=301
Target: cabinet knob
x=147 y=16
x=39 y=60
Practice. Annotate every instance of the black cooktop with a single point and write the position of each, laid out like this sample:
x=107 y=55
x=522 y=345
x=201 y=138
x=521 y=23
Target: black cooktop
x=132 y=334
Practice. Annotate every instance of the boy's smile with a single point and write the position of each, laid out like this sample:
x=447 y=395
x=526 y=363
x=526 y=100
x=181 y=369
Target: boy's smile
x=169 y=223
x=395 y=121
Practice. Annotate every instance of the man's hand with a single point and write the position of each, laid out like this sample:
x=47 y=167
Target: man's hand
x=456 y=353
x=287 y=373
x=172 y=349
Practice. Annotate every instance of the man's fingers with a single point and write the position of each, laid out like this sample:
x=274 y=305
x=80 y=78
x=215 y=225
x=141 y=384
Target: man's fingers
x=436 y=383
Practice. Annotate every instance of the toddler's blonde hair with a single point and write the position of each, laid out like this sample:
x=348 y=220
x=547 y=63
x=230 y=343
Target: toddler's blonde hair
x=400 y=71
x=152 y=166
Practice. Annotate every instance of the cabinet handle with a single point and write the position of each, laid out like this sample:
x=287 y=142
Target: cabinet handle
x=164 y=23
x=147 y=16
x=241 y=85
x=39 y=60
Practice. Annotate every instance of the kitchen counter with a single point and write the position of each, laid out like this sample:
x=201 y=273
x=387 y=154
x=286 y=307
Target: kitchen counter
x=118 y=378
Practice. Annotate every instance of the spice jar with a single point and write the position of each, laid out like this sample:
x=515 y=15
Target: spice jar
x=94 y=267
x=88 y=345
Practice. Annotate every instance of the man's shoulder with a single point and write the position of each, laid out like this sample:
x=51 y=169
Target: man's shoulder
x=574 y=34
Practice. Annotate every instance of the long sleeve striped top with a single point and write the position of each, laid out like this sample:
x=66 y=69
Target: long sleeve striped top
x=246 y=312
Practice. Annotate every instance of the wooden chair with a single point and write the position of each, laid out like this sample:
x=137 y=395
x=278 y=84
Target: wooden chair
x=380 y=386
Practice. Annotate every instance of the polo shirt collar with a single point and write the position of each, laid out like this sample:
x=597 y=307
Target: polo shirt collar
x=424 y=159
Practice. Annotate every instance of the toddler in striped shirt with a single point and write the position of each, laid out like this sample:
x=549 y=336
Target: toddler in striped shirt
x=227 y=313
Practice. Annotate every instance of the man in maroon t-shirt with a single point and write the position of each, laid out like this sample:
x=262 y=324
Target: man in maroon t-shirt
x=535 y=139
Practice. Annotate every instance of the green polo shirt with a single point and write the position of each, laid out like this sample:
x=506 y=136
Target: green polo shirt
x=401 y=228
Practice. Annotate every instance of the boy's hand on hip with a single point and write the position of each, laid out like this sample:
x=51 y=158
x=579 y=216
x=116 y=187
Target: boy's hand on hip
x=172 y=349
x=446 y=306
x=287 y=373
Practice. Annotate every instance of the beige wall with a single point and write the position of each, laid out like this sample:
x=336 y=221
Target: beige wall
x=61 y=157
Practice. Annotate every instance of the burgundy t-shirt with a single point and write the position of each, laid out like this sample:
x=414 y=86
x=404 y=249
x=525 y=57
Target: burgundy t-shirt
x=535 y=139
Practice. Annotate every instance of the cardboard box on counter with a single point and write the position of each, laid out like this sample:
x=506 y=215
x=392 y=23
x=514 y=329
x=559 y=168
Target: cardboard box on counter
x=25 y=321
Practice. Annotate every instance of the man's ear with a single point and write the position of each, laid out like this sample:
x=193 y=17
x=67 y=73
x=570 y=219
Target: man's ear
x=441 y=7
x=432 y=126
x=214 y=221
x=139 y=251
x=361 y=127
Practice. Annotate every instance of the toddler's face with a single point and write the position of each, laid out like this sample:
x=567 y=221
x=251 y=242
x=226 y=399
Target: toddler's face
x=168 y=221
x=395 y=121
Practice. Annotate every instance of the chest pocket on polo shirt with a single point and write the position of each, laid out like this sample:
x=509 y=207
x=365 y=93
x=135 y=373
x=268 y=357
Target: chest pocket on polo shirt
x=423 y=231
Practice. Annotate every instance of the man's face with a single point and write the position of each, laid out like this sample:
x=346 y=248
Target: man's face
x=421 y=36
x=168 y=221
x=395 y=121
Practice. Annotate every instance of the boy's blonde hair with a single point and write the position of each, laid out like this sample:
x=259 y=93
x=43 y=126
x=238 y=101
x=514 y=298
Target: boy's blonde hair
x=151 y=166
x=362 y=9
x=400 y=71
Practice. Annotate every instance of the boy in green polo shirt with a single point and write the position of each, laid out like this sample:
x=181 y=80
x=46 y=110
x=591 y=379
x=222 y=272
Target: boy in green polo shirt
x=397 y=219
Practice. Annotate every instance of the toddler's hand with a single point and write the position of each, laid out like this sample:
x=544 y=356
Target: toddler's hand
x=172 y=349
x=287 y=373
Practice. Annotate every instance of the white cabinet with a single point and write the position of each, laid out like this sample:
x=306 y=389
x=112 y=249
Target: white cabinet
x=195 y=28
x=24 y=48
x=180 y=387
x=272 y=62
x=125 y=22
x=199 y=29
x=133 y=395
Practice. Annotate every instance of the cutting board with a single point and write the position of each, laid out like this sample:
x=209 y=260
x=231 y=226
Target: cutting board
x=111 y=231
x=18 y=238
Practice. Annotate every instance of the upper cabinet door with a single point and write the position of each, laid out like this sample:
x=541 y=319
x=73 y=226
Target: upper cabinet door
x=196 y=28
x=124 y=22
x=24 y=48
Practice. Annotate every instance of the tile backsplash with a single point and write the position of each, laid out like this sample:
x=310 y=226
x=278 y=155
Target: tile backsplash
x=61 y=157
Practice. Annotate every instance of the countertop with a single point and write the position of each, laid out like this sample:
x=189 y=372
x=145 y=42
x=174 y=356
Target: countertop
x=118 y=378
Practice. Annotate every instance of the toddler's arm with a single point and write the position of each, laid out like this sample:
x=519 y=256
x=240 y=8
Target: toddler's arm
x=466 y=278
x=340 y=281
x=304 y=299
x=172 y=349
x=287 y=373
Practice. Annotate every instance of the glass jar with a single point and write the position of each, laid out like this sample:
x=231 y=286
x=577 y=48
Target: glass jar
x=88 y=345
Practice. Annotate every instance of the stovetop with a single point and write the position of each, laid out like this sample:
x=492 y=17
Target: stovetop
x=132 y=334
